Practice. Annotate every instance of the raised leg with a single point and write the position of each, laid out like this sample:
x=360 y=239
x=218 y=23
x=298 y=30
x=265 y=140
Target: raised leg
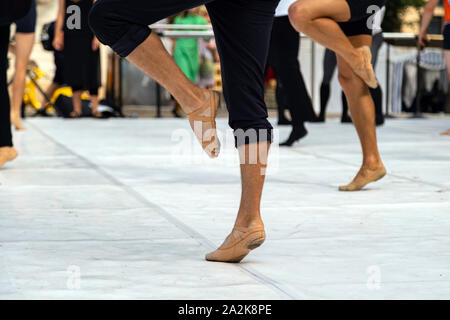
x=319 y=20
x=134 y=41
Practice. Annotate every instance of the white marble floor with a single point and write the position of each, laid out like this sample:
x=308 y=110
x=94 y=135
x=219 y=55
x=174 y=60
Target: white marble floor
x=115 y=209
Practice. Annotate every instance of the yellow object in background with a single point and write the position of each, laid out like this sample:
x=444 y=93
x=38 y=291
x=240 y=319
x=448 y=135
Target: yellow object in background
x=29 y=97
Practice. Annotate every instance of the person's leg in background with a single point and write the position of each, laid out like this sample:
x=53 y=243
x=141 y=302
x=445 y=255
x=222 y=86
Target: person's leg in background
x=281 y=105
x=285 y=44
x=93 y=96
x=345 y=117
x=377 y=93
x=77 y=103
x=363 y=115
x=110 y=21
x=7 y=151
x=329 y=66
x=243 y=44
x=24 y=39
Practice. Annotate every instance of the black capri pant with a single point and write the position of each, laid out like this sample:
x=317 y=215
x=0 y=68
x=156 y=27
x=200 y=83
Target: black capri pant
x=242 y=29
x=362 y=11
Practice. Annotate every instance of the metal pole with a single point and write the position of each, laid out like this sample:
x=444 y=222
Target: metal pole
x=388 y=79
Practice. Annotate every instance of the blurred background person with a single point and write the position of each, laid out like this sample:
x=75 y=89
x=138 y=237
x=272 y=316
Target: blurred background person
x=208 y=56
x=291 y=89
x=10 y=10
x=58 y=78
x=186 y=50
x=81 y=53
x=423 y=35
x=24 y=41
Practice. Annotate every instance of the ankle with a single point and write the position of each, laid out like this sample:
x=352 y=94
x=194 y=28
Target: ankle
x=249 y=222
x=194 y=101
x=372 y=163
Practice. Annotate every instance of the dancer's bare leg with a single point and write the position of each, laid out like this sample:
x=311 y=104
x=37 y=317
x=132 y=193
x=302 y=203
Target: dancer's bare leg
x=319 y=21
x=248 y=232
x=24 y=45
x=95 y=103
x=153 y=59
x=363 y=115
x=7 y=154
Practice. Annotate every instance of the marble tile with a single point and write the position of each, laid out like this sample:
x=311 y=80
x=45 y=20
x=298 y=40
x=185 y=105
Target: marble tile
x=116 y=205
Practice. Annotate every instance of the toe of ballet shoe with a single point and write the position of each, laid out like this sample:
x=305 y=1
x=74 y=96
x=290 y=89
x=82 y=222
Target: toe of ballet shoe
x=213 y=149
x=349 y=188
x=216 y=256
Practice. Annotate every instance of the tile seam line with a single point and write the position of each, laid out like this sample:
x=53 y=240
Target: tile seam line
x=353 y=165
x=259 y=277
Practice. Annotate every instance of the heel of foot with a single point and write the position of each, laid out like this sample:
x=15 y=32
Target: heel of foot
x=255 y=243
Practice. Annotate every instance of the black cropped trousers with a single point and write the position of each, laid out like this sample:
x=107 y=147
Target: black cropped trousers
x=242 y=29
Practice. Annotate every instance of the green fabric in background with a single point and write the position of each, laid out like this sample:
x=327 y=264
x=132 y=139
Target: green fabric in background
x=186 y=53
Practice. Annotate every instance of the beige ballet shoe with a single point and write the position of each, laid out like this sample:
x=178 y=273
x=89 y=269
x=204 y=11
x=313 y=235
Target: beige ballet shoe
x=446 y=133
x=238 y=244
x=364 y=68
x=203 y=123
x=7 y=154
x=363 y=178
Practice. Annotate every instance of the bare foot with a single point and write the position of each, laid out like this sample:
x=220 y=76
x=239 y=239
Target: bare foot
x=446 y=133
x=238 y=244
x=7 y=154
x=16 y=121
x=203 y=123
x=364 y=177
x=363 y=68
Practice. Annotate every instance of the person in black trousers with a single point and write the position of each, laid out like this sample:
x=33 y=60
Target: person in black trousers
x=9 y=11
x=283 y=58
x=329 y=66
x=242 y=29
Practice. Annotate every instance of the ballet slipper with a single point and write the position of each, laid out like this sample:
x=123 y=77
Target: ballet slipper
x=7 y=154
x=364 y=68
x=363 y=178
x=446 y=133
x=238 y=244
x=203 y=123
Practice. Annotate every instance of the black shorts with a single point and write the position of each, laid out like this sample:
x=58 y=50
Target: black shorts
x=361 y=13
x=27 y=24
x=446 y=33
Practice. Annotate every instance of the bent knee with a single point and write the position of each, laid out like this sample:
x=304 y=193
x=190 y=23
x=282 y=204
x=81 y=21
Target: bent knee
x=300 y=14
